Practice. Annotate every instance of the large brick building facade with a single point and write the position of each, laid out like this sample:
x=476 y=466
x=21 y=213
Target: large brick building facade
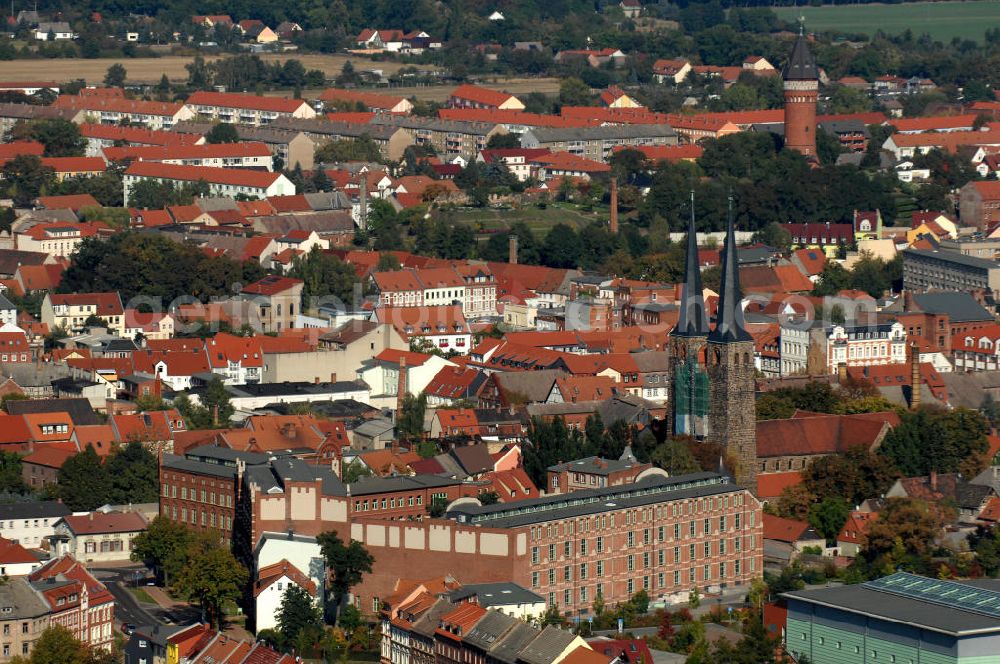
x=661 y=534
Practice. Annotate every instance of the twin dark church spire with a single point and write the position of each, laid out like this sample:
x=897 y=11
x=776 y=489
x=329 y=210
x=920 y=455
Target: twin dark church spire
x=693 y=318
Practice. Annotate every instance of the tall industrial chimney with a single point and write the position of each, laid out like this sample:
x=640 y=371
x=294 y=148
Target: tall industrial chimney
x=614 y=206
x=512 y=249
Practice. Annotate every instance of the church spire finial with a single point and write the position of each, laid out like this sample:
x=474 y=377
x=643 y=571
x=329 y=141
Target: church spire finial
x=693 y=319
x=729 y=323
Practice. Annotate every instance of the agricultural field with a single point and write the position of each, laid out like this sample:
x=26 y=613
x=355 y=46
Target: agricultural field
x=149 y=70
x=942 y=20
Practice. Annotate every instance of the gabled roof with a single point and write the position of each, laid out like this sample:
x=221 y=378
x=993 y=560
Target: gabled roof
x=787 y=530
x=481 y=95
x=809 y=434
x=98 y=523
x=270 y=574
x=252 y=102
x=230 y=176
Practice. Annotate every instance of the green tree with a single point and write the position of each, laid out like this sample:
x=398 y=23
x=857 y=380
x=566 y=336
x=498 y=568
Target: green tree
x=222 y=132
x=215 y=410
x=57 y=645
x=115 y=76
x=346 y=564
x=134 y=474
x=297 y=613
x=489 y=498
x=26 y=178
x=674 y=456
x=199 y=75
x=355 y=471
x=211 y=576
x=411 y=422
x=324 y=275
x=151 y=265
x=940 y=440
x=856 y=475
x=11 y=479
x=163 y=547
x=828 y=516
x=61 y=138
x=562 y=247
x=904 y=533
x=574 y=92
x=83 y=481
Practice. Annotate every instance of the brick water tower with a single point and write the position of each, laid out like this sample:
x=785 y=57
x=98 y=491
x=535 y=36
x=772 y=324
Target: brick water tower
x=801 y=90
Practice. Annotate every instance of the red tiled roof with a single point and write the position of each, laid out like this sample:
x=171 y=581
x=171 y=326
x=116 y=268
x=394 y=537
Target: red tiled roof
x=231 y=176
x=272 y=573
x=204 y=151
x=392 y=356
x=668 y=153
x=480 y=95
x=773 y=279
x=783 y=530
x=18 y=148
x=12 y=553
x=272 y=285
x=75 y=164
x=369 y=99
x=513 y=117
x=253 y=102
x=808 y=434
x=105 y=303
x=856 y=527
x=770 y=485
x=97 y=523
x=935 y=123
x=50 y=455
x=69 y=202
x=118 y=105
x=137 y=135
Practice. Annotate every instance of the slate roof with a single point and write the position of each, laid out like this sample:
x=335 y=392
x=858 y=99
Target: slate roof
x=651 y=490
x=496 y=594
x=547 y=647
x=508 y=648
x=801 y=64
x=960 y=307
x=593 y=466
x=79 y=410
x=865 y=600
x=489 y=629
x=33 y=510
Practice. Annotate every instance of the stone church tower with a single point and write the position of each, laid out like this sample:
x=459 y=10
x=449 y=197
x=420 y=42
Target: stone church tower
x=688 y=391
x=711 y=395
x=732 y=412
x=801 y=91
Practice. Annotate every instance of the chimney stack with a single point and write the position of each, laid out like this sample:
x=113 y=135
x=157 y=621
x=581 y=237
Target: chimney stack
x=614 y=206
x=933 y=479
x=363 y=201
x=915 y=379
x=401 y=389
x=512 y=249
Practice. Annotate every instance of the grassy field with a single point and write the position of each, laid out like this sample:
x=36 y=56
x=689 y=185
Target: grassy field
x=942 y=20
x=142 y=595
x=149 y=70
x=539 y=220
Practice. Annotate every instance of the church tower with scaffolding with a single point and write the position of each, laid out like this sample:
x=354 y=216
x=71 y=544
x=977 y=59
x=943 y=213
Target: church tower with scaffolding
x=711 y=394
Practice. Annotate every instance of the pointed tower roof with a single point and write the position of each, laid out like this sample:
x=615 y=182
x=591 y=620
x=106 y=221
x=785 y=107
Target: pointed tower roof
x=801 y=64
x=729 y=324
x=693 y=320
